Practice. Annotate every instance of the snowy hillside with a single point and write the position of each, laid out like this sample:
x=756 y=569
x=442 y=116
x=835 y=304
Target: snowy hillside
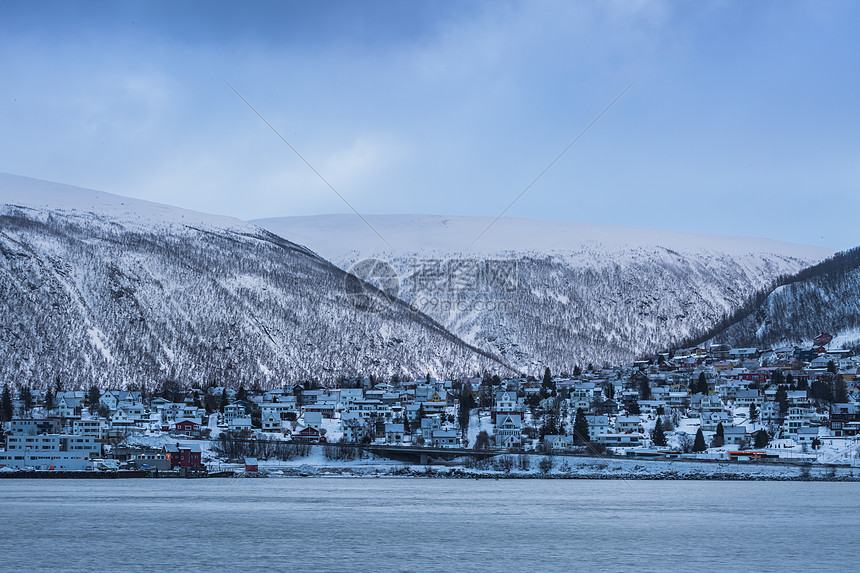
x=823 y=298
x=583 y=293
x=100 y=288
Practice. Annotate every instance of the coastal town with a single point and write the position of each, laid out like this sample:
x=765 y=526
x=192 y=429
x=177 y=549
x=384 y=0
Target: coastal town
x=712 y=402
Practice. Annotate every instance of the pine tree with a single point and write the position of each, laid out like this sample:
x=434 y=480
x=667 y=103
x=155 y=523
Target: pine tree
x=719 y=437
x=547 y=385
x=753 y=413
x=658 y=436
x=49 y=399
x=466 y=403
x=94 y=396
x=610 y=391
x=699 y=442
x=27 y=398
x=761 y=439
x=580 y=428
x=777 y=378
x=419 y=416
x=782 y=398
x=6 y=404
x=702 y=385
x=840 y=390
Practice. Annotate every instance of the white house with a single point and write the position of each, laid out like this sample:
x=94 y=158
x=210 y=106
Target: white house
x=626 y=424
x=50 y=451
x=239 y=424
x=509 y=430
x=394 y=434
x=558 y=443
x=597 y=425
x=445 y=438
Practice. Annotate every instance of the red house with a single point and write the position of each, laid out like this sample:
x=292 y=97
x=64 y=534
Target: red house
x=183 y=456
x=188 y=427
x=309 y=435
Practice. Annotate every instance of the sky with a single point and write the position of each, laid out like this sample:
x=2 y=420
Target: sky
x=743 y=118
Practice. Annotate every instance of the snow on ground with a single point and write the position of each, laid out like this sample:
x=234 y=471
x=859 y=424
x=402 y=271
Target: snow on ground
x=479 y=423
x=538 y=465
x=46 y=196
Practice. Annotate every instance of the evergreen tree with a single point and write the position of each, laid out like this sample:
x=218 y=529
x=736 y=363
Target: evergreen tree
x=466 y=403
x=27 y=398
x=822 y=392
x=840 y=390
x=420 y=416
x=761 y=439
x=549 y=426
x=577 y=371
x=699 y=442
x=547 y=386
x=777 y=378
x=6 y=404
x=719 y=439
x=658 y=436
x=482 y=442
x=241 y=394
x=702 y=384
x=633 y=409
x=789 y=379
x=753 y=412
x=580 y=428
x=93 y=396
x=782 y=398
x=49 y=399
x=610 y=390
x=645 y=389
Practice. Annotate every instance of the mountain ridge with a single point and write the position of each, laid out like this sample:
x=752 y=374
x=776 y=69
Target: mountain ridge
x=100 y=288
x=586 y=293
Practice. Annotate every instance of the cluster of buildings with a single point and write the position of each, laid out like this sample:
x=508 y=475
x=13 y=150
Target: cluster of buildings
x=798 y=394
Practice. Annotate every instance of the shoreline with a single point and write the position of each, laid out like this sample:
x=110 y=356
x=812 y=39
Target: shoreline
x=401 y=472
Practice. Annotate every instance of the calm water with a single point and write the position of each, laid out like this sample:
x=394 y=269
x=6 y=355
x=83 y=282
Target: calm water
x=426 y=525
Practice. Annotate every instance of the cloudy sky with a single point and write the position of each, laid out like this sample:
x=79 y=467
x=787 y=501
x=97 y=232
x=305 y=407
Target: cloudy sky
x=743 y=117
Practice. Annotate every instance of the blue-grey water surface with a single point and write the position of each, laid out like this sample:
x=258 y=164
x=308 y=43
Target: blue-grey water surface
x=349 y=524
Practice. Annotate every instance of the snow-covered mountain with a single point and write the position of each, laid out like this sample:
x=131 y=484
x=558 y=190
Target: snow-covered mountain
x=582 y=293
x=100 y=288
x=822 y=298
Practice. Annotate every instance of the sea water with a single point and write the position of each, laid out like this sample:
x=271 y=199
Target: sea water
x=390 y=524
